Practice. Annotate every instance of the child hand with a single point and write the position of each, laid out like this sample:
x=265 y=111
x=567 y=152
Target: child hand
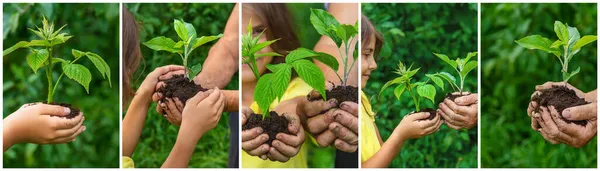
x=201 y=114
x=150 y=83
x=172 y=110
x=460 y=113
x=253 y=140
x=416 y=126
x=286 y=146
x=35 y=123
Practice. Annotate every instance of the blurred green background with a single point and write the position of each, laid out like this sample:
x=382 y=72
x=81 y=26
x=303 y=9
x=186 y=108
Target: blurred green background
x=411 y=33
x=158 y=136
x=94 y=28
x=510 y=74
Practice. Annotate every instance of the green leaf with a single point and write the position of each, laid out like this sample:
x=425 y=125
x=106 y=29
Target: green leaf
x=263 y=95
x=446 y=59
x=584 y=41
x=437 y=80
x=79 y=73
x=261 y=46
x=427 y=91
x=311 y=74
x=267 y=54
x=468 y=67
x=281 y=80
x=181 y=30
x=77 y=54
x=556 y=44
x=399 y=90
x=60 y=39
x=163 y=43
x=298 y=54
x=398 y=80
x=469 y=56
x=205 y=39
x=59 y=60
x=536 y=42
x=37 y=58
x=191 y=31
x=328 y=60
x=345 y=32
x=195 y=70
x=561 y=31
x=100 y=64
x=322 y=20
x=576 y=71
x=447 y=76
x=21 y=44
x=276 y=67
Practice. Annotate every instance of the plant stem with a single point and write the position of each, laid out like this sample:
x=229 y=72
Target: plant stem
x=414 y=98
x=49 y=75
x=61 y=75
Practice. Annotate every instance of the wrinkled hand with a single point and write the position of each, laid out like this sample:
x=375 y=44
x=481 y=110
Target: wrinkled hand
x=316 y=116
x=416 y=126
x=460 y=113
x=36 y=123
x=286 y=146
x=254 y=140
x=556 y=130
x=172 y=109
x=201 y=114
x=345 y=127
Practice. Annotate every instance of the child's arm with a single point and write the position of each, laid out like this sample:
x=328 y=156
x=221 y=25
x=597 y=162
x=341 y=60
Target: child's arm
x=200 y=115
x=411 y=127
x=133 y=122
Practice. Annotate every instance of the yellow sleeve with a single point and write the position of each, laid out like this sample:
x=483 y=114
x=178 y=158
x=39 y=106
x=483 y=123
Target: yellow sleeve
x=297 y=87
x=369 y=143
x=127 y=162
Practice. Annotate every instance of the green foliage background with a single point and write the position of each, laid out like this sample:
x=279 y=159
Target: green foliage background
x=411 y=33
x=158 y=136
x=510 y=74
x=95 y=28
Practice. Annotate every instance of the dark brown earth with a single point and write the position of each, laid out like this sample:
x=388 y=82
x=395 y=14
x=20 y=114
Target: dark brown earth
x=272 y=124
x=74 y=111
x=561 y=98
x=431 y=111
x=454 y=96
x=180 y=87
x=340 y=93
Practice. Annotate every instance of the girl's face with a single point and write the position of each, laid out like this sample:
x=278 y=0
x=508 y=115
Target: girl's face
x=367 y=61
x=257 y=27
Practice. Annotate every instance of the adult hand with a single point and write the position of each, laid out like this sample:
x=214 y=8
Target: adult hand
x=556 y=130
x=345 y=127
x=35 y=123
x=286 y=146
x=172 y=109
x=253 y=140
x=460 y=113
x=316 y=116
x=416 y=125
x=201 y=113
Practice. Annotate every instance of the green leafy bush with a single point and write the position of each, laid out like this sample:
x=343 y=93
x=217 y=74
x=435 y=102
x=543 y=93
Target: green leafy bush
x=462 y=68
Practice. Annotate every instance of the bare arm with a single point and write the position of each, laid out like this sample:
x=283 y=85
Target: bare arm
x=222 y=61
x=231 y=100
x=388 y=151
x=345 y=13
x=133 y=123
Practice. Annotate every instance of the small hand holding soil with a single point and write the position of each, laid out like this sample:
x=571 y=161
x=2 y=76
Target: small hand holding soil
x=459 y=111
x=287 y=145
x=417 y=125
x=253 y=137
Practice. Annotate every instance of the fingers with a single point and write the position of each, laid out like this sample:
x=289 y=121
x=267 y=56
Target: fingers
x=350 y=107
x=274 y=154
x=583 y=112
x=285 y=149
x=530 y=108
x=451 y=115
x=434 y=128
x=199 y=97
x=156 y=96
x=293 y=140
x=343 y=133
x=452 y=125
x=313 y=95
x=251 y=133
x=546 y=136
x=70 y=131
x=346 y=119
x=313 y=108
x=64 y=123
x=417 y=116
x=261 y=151
x=534 y=124
x=459 y=110
x=213 y=97
x=552 y=130
x=254 y=143
x=563 y=126
x=246 y=112
x=53 y=110
x=325 y=138
x=170 y=74
x=294 y=123
x=166 y=69
x=68 y=138
x=547 y=85
x=344 y=146
x=428 y=123
x=467 y=100
x=319 y=123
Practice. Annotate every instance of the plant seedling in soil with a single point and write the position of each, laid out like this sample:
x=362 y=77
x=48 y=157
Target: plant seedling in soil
x=343 y=35
x=568 y=44
x=462 y=67
x=41 y=55
x=417 y=90
x=272 y=86
x=181 y=86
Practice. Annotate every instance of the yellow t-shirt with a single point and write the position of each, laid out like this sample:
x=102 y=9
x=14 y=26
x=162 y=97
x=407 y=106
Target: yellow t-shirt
x=127 y=162
x=369 y=143
x=297 y=87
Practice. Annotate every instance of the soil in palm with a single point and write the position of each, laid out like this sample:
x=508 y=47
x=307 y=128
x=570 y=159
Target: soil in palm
x=180 y=87
x=74 y=111
x=431 y=111
x=561 y=98
x=272 y=124
x=340 y=93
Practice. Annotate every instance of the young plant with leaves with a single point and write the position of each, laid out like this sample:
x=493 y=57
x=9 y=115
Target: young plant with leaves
x=568 y=38
x=42 y=56
x=417 y=89
x=461 y=66
x=342 y=34
x=188 y=41
x=271 y=86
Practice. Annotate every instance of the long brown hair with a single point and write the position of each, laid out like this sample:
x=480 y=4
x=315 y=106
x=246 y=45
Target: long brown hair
x=131 y=54
x=278 y=25
x=367 y=29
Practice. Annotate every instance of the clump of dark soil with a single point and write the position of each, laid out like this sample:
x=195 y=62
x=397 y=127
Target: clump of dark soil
x=561 y=98
x=180 y=87
x=74 y=111
x=431 y=111
x=272 y=124
x=340 y=93
x=452 y=97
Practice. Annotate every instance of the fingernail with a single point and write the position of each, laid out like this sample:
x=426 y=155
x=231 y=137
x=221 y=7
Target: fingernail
x=259 y=130
x=67 y=110
x=265 y=137
x=567 y=114
x=279 y=137
x=333 y=102
x=84 y=128
x=460 y=100
x=336 y=129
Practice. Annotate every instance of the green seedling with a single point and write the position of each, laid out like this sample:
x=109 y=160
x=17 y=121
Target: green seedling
x=271 y=86
x=188 y=41
x=461 y=66
x=568 y=38
x=416 y=90
x=41 y=55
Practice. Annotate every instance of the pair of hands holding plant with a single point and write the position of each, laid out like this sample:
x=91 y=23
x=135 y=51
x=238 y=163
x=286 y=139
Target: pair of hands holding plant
x=41 y=124
x=556 y=130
